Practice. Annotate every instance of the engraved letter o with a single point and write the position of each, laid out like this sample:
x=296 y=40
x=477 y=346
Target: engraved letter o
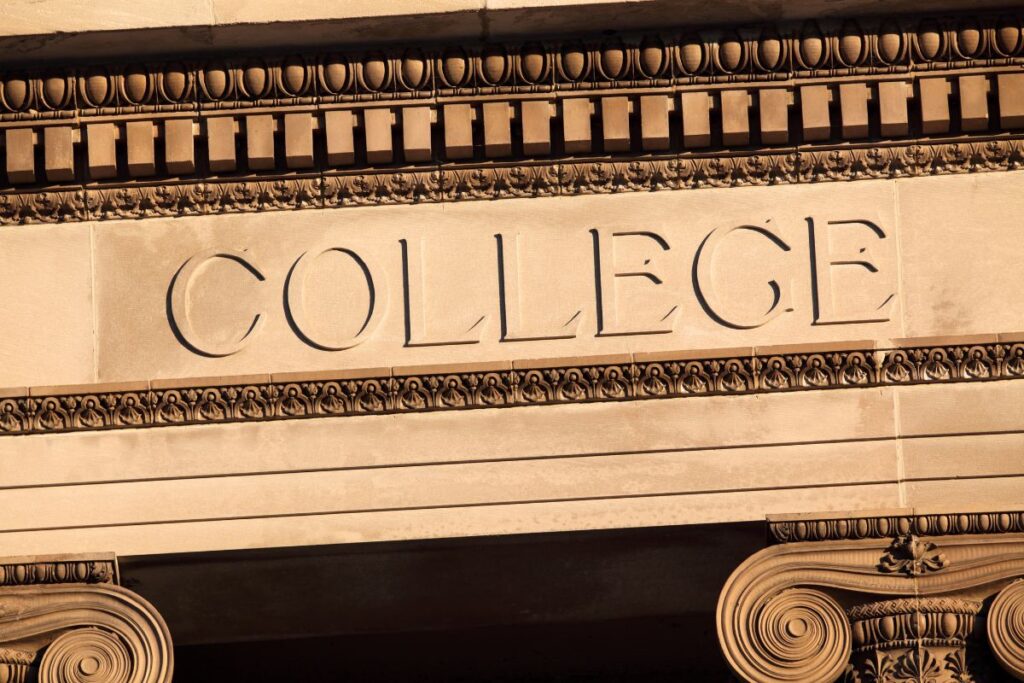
x=295 y=309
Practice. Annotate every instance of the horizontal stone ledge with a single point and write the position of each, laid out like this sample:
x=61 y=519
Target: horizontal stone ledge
x=168 y=402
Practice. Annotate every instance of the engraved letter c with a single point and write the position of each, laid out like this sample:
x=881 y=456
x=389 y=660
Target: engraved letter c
x=179 y=298
x=702 y=280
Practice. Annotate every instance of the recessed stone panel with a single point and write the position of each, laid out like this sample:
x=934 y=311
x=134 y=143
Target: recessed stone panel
x=520 y=279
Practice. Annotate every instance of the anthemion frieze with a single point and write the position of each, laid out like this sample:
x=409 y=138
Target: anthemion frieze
x=299 y=395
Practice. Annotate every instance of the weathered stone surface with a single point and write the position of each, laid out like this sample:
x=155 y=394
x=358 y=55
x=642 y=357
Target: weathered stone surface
x=940 y=285
x=47 y=306
x=976 y=236
x=204 y=296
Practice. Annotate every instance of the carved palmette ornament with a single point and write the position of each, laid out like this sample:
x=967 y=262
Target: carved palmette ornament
x=619 y=381
x=911 y=639
x=80 y=633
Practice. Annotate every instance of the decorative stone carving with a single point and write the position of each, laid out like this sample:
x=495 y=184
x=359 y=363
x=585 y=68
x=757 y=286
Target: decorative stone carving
x=227 y=401
x=369 y=187
x=821 y=610
x=912 y=639
x=802 y=635
x=66 y=621
x=328 y=107
x=71 y=570
x=15 y=665
x=912 y=556
x=839 y=528
x=773 y=52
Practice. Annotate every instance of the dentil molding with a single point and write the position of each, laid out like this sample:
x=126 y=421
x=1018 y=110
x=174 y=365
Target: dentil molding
x=666 y=109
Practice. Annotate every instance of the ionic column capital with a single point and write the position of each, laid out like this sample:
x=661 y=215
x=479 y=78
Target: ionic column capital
x=65 y=620
x=878 y=599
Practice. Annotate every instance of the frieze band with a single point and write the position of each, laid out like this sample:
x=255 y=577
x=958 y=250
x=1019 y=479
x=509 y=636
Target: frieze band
x=83 y=410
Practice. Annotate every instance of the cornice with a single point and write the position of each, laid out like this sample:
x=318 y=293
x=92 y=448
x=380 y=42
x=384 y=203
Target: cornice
x=671 y=109
x=297 y=396
x=674 y=55
x=155 y=27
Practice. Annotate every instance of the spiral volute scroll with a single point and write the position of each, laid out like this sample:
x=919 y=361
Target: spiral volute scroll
x=798 y=634
x=88 y=655
x=93 y=633
x=1006 y=629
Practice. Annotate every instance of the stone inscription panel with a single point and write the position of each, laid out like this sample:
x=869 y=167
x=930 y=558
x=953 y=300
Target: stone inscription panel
x=496 y=281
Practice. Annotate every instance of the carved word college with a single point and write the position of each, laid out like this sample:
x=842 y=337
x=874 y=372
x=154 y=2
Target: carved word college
x=363 y=290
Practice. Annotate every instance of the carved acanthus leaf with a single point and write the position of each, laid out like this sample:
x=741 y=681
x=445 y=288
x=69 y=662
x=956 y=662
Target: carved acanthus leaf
x=912 y=556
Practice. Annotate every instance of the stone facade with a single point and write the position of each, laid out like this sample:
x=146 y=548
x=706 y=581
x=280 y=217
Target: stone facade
x=494 y=272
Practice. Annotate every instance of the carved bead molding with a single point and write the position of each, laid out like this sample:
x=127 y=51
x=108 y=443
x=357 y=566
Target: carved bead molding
x=161 y=403
x=86 y=569
x=64 y=620
x=669 y=109
x=899 y=525
x=834 y=611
